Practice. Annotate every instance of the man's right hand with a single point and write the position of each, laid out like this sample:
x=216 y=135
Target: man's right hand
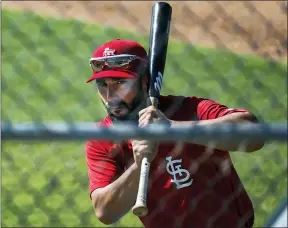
x=144 y=148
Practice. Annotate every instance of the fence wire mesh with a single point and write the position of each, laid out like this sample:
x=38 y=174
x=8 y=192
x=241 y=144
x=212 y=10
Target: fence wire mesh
x=232 y=52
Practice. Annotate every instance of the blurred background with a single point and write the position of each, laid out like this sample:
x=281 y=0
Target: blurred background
x=231 y=52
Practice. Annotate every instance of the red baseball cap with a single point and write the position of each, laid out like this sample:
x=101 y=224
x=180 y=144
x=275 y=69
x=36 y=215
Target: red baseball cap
x=119 y=47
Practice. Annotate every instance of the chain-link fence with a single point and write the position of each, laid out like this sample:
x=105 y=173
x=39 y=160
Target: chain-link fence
x=45 y=57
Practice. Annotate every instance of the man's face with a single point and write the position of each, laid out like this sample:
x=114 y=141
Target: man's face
x=120 y=95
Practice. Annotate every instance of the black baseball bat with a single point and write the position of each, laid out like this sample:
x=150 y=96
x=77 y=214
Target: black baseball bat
x=158 y=44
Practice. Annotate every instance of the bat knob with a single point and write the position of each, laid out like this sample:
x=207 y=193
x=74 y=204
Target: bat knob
x=140 y=210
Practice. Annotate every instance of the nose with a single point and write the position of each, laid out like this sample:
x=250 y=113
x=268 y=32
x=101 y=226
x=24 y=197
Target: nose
x=111 y=92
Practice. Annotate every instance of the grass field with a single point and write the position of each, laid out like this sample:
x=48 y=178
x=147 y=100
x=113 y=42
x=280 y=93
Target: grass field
x=44 y=69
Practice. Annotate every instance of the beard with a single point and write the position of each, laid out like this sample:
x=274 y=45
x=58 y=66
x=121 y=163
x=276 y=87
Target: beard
x=133 y=108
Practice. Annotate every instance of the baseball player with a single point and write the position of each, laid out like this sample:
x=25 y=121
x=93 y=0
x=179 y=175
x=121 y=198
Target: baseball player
x=191 y=184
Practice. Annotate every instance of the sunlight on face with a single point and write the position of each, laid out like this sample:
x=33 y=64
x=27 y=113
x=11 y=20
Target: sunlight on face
x=117 y=92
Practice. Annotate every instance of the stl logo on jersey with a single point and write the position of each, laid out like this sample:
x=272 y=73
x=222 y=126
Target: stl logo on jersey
x=180 y=175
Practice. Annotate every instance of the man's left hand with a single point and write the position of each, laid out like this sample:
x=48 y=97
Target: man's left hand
x=152 y=115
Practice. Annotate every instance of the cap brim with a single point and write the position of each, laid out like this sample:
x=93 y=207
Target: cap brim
x=112 y=74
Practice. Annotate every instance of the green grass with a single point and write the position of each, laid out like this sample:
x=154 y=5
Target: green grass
x=44 y=69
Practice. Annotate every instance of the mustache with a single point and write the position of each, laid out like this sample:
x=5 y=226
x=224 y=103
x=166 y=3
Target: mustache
x=116 y=103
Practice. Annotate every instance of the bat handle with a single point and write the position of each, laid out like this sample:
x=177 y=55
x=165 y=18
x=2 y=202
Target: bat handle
x=140 y=207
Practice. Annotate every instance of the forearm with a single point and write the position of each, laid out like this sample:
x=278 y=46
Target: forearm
x=116 y=199
x=226 y=143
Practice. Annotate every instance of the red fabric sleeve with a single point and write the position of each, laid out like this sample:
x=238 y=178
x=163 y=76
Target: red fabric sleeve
x=209 y=109
x=103 y=167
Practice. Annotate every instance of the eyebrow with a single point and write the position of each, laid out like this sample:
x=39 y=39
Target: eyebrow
x=119 y=79
x=112 y=79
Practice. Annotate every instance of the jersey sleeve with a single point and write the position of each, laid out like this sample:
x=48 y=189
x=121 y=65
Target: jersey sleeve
x=209 y=109
x=103 y=167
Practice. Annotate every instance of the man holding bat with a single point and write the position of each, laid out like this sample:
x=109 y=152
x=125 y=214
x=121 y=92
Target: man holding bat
x=191 y=184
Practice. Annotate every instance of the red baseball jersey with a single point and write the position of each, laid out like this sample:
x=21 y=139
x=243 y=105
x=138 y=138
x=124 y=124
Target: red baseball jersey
x=189 y=185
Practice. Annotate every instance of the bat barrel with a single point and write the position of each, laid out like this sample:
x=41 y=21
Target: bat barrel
x=159 y=36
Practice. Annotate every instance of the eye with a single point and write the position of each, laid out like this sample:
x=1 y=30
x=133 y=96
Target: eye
x=120 y=82
x=101 y=84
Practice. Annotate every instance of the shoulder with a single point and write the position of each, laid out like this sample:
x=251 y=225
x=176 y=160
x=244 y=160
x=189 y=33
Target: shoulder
x=105 y=122
x=180 y=107
x=94 y=146
x=180 y=101
x=173 y=98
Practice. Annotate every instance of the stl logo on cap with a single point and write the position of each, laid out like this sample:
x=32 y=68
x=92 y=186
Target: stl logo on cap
x=108 y=52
